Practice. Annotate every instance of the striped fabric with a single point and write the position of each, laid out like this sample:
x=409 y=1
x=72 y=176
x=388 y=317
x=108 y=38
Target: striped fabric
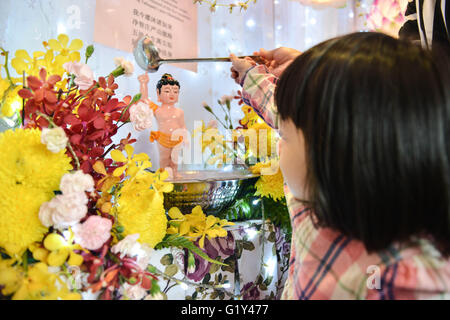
x=325 y=264
x=426 y=22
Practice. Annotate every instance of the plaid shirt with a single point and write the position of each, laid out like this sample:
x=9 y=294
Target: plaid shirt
x=325 y=264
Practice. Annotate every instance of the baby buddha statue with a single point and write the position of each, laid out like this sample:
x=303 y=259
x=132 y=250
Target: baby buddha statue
x=169 y=119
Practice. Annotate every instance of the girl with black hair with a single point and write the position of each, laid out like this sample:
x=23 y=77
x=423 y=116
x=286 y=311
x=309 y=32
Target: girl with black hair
x=364 y=121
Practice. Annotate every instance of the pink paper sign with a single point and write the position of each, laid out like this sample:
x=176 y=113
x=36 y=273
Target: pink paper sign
x=171 y=24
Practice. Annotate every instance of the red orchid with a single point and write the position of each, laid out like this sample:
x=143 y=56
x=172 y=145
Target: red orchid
x=93 y=262
x=41 y=90
x=125 y=141
x=100 y=91
x=131 y=270
x=108 y=87
x=125 y=116
x=40 y=97
x=109 y=279
x=238 y=96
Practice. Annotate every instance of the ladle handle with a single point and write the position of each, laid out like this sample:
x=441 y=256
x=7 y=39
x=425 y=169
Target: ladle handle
x=227 y=59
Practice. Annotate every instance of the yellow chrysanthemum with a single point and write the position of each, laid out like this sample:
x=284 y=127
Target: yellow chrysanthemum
x=270 y=183
x=142 y=211
x=30 y=173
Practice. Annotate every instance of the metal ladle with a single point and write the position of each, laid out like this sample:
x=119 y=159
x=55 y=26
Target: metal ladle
x=147 y=56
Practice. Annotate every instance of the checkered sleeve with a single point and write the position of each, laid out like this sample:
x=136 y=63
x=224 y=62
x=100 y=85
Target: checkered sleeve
x=258 y=92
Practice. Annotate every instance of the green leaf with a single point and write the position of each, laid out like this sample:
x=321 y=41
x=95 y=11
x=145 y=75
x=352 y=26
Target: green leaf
x=214 y=268
x=268 y=281
x=167 y=259
x=214 y=295
x=155 y=287
x=249 y=246
x=272 y=237
x=171 y=270
x=206 y=278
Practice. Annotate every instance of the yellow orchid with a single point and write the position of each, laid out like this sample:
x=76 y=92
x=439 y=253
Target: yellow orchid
x=129 y=161
x=53 y=64
x=108 y=180
x=250 y=116
x=39 y=253
x=70 y=51
x=159 y=183
x=10 y=277
x=40 y=284
x=210 y=137
x=179 y=224
x=208 y=228
x=35 y=284
x=212 y=140
x=61 y=249
x=11 y=102
x=22 y=62
x=137 y=168
x=196 y=225
x=104 y=203
x=56 y=55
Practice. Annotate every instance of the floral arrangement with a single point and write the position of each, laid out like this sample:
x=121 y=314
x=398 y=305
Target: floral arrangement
x=387 y=16
x=81 y=215
x=244 y=5
x=251 y=143
x=214 y=4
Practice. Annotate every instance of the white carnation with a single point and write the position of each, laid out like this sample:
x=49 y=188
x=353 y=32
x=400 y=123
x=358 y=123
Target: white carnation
x=125 y=64
x=76 y=182
x=55 y=139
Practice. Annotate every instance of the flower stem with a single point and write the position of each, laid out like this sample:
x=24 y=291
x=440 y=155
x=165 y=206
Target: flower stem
x=23 y=101
x=135 y=99
x=109 y=149
x=77 y=162
x=25 y=261
x=6 y=54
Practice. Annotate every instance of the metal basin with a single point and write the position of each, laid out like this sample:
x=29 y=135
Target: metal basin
x=214 y=191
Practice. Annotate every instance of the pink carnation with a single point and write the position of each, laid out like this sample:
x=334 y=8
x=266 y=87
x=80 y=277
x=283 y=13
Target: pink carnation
x=141 y=116
x=93 y=233
x=84 y=77
x=67 y=209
